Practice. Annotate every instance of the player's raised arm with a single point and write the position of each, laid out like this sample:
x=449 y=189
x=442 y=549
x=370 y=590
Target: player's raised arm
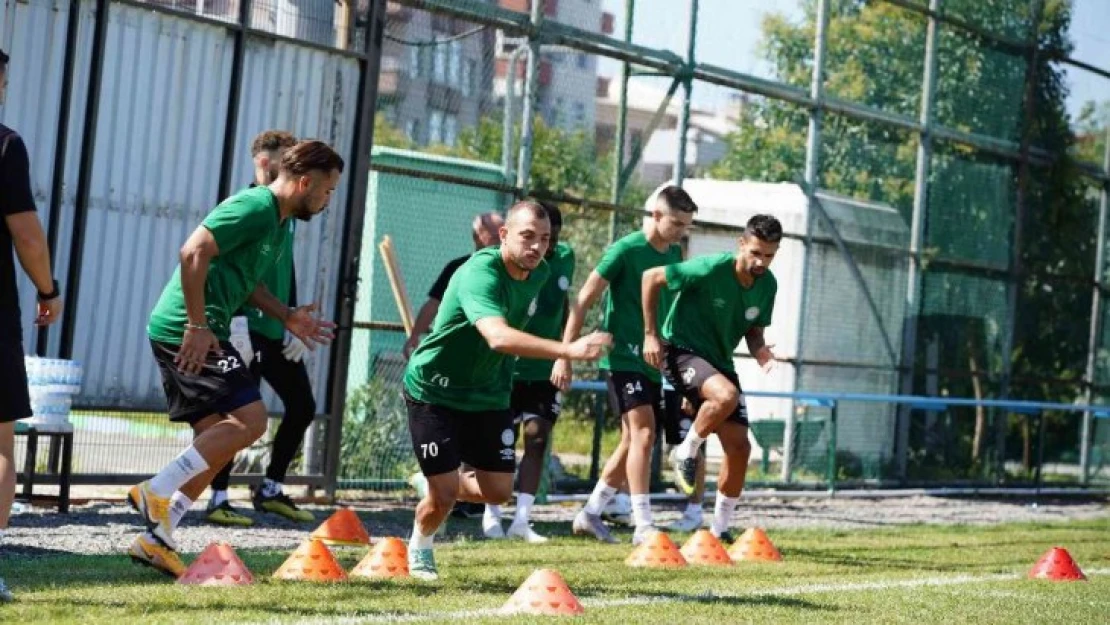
x=576 y=316
x=506 y=340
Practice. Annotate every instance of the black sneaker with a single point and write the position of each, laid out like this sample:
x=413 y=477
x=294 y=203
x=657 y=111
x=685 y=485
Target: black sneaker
x=686 y=474
x=467 y=510
x=280 y=504
x=726 y=538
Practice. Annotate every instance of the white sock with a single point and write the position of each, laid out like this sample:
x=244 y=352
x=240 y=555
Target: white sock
x=271 y=488
x=641 y=510
x=722 y=513
x=602 y=495
x=689 y=446
x=217 y=498
x=179 y=471
x=418 y=540
x=693 y=509
x=180 y=504
x=491 y=515
x=524 y=503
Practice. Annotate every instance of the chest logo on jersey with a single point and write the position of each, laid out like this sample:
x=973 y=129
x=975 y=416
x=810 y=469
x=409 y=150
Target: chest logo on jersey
x=751 y=313
x=266 y=249
x=564 y=283
x=532 y=308
x=508 y=437
x=718 y=302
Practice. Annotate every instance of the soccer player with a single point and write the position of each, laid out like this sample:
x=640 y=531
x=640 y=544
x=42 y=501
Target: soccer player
x=458 y=382
x=634 y=387
x=19 y=230
x=275 y=355
x=206 y=383
x=718 y=299
x=536 y=402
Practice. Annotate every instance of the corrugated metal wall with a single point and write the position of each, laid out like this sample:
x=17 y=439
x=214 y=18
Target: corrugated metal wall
x=156 y=165
x=33 y=33
x=313 y=94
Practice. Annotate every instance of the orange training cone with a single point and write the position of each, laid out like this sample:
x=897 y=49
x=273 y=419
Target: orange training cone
x=754 y=546
x=389 y=558
x=1056 y=564
x=704 y=548
x=311 y=562
x=217 y=565
x=342 y=528
x=544 y=592
x=657 y=550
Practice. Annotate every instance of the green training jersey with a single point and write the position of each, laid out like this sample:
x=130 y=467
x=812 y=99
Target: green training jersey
x=551 y=304
x=623 y=266
x=712 y=311
x=454 y=365
x=279 y=280
x=248 y=232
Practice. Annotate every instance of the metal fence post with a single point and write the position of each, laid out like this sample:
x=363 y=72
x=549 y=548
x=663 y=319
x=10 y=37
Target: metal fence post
x=831 y=475
x=352 y=241
x=84 y=177
x=1096 y=320
x=812 y=180
x=599 y=425
x=917 y=236
x=622 y=122
x=687 y=88
x=531 y=87
x=235 y=91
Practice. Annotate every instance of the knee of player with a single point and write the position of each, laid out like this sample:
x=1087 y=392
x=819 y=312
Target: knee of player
x=497 y=494
x=736 y=444
x=253 y=420
x=443 y=498
x=644 y=436
x=727 y=398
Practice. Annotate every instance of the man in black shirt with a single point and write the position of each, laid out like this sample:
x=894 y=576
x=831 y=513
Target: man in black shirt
x=20 y=231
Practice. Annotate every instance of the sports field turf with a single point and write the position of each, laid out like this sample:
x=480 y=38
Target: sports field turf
x=918 y=574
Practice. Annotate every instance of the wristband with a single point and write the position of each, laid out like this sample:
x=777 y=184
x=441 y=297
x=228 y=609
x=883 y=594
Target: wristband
x=194 y=326
x=53 y=294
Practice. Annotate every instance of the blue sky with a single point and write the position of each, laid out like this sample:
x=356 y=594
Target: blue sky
x=729 y=31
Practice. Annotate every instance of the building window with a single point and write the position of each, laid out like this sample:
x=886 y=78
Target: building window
x=450 y=129
x=580 y=113
x=414 y=61
x=454 y=70
x=583 y=61
x=439 y=61
x=435 y=127
x=412 y=130
x=467 y=77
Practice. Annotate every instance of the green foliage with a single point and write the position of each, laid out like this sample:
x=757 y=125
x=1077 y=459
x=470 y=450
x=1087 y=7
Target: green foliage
x=375 y=434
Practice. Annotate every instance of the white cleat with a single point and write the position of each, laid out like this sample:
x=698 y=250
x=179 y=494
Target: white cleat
x=585 y=523
x=525 y=532
x=491 y=528
x=688 y=522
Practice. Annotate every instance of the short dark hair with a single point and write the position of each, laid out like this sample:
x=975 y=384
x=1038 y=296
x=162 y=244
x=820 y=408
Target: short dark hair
x=537 y=209
x=554 y=215
x=4 y=58
x=765 y=228
x=310 y=155
x=677 y=199
x=272 y=141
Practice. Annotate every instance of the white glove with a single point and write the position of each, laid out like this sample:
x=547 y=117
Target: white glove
x=240 y=339
x=295 y=349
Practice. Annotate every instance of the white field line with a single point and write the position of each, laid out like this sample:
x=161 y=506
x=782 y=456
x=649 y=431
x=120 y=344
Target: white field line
x=802 y=589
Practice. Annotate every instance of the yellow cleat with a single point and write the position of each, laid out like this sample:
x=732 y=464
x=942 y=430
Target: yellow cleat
x=225 y=515
x=155 y=511
x=148 y=551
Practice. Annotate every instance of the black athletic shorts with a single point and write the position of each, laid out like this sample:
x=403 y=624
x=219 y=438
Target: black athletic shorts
x=674 y=423
x=443 y=438
x=628 y=391
x=15 y=398
x=223 y=384
x=538 y=399
x=687 y=371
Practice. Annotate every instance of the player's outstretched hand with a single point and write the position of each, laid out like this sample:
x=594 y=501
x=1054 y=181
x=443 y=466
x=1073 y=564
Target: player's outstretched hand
x=303 y=324
x=561 y=374
x=653 y=351
x=589 y=347
x=766 y=358
x=195 y=346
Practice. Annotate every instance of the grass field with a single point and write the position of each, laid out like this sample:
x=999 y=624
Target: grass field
x=910 y=574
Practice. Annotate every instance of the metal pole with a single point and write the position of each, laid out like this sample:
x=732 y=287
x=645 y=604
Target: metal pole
x=917 y=236
x=833 y=417
x=507 y=122
x=61 y=146
x=812 y=180
x=531 y=81
x=356 y=214
x=1016 y=265
x=622 y=121
x=1096 y=320
x=84 y=177
x=231 y=124
x=687 y=87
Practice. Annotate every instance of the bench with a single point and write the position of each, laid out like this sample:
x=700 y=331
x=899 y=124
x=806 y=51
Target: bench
x=59 y=463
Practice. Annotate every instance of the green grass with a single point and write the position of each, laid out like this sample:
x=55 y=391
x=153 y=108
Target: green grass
x=827 y=576
x=576 y=436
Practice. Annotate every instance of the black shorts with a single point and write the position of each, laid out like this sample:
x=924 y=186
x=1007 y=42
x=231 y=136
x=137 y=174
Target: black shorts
x=15 y=398
x=674 y=423
x=443 y=438
x=687 y=372
x=628 y=391
x=536 y=400
x=223 y=384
